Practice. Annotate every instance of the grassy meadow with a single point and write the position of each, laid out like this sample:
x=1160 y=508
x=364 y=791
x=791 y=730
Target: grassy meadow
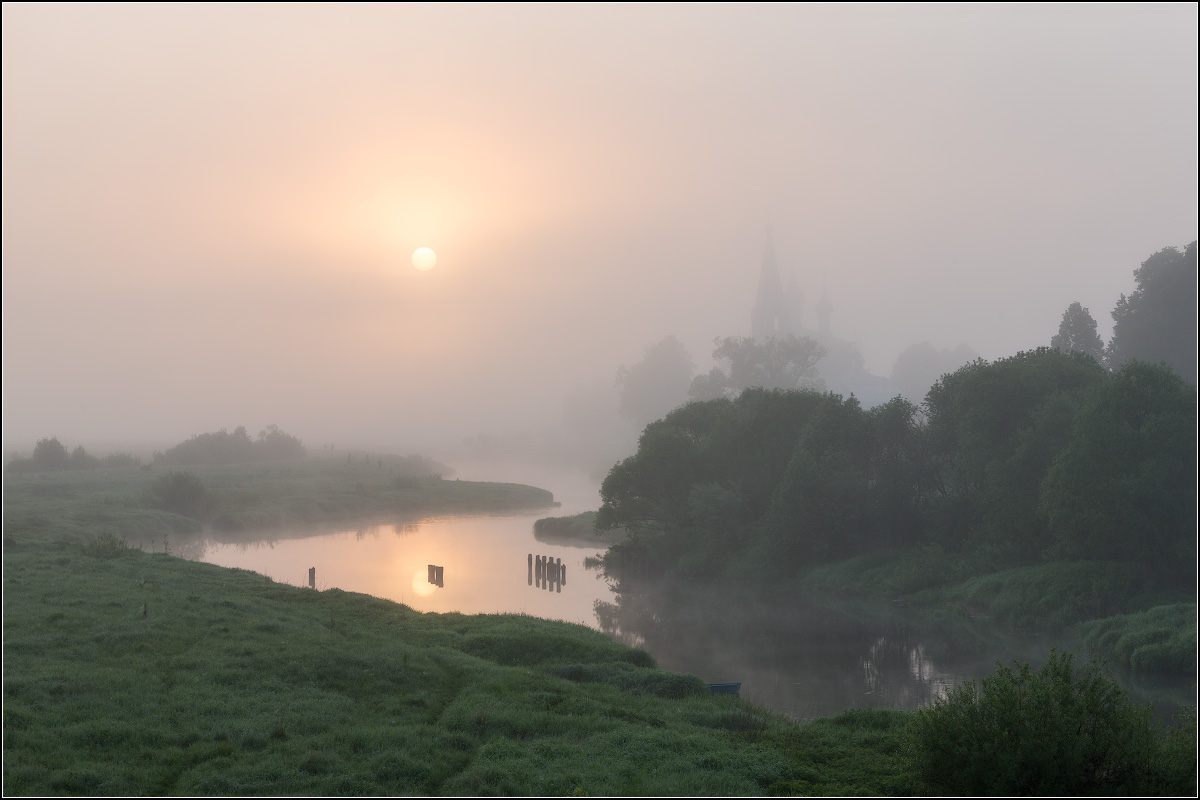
x=133 y=673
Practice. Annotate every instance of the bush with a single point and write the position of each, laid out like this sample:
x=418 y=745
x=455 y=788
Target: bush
x=179 y=492
x=1053 y=732
x=106 y=545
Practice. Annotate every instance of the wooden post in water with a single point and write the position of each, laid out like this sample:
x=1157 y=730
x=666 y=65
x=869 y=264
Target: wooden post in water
x=312 y=577
x=531 y=569
x=558 y=573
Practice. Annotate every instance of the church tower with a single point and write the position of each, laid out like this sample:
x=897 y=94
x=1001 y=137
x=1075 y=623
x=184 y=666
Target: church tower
x=771 y=316
x=824 y=312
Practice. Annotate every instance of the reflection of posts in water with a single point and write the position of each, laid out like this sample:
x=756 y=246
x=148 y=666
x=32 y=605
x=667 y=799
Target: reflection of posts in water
x=312 y=577
x=437 y=576
x=546 y=572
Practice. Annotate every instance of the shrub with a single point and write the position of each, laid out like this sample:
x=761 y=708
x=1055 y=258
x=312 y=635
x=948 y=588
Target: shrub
x=106 y=545
x=179 y=492
x=1053 y=732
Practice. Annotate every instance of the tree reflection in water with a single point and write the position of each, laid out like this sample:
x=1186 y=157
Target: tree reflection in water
x=804 y=659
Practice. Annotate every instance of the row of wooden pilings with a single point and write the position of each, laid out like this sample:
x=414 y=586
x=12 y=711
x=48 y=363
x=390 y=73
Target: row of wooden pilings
x=549 y=573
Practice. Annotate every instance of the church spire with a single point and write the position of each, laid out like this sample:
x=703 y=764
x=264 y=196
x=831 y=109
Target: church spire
x=770 y=316
x=824 y=312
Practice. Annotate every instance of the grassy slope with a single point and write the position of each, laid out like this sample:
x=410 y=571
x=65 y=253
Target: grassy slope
x=134 y=673
x=80 y=505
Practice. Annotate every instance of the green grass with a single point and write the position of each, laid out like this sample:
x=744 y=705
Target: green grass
x=136 y=673
x=886 y=573
x=76 y=506
x=577 y=528
x=1056 y=594
x=1160 y=639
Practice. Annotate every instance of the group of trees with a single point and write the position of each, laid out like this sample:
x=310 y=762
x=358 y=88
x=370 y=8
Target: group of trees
x=224 y=447
x=50 y=455
x=1157 y=323
x=1044 y=455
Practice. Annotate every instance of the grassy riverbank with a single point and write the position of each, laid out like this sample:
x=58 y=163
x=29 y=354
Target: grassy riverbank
x=1116 y=610
x=128 y=672
x=578 y=529
x=136 y=504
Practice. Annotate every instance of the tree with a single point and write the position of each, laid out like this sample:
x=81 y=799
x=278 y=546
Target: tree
x=788 y=362
x=82 y=459
x=179 y=492
x=1077 y=333
x=49 y=454
x=657 y=383
x=1124 y=486
x=993 y=431
x=1157 y=323
x=275 y=445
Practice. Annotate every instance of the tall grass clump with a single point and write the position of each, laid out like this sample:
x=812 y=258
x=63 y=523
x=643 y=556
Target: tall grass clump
x=1057 y=731
x=1057 y=594
x=1160 y=639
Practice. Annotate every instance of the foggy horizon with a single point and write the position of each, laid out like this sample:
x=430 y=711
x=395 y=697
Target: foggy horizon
x=209 y=211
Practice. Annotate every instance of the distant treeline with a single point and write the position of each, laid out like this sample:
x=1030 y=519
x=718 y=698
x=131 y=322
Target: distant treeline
x=1042 y=456
x=224 y=447
x=50 y=455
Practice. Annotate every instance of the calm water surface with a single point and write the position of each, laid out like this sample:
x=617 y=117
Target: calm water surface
x=484 y=559
x=801 y=659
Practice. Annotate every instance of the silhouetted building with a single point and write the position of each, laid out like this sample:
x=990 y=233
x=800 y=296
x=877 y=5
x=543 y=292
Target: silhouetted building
x=779 y=311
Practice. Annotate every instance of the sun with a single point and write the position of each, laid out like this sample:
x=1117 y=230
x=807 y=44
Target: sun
x=423 y=259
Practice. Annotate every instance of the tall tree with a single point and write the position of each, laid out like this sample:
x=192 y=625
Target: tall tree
x=1124 y=486
x=1077 y=333
x=657 y=383
x=1158 y=321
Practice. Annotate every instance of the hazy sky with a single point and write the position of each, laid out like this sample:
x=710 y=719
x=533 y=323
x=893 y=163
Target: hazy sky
x=209 y=211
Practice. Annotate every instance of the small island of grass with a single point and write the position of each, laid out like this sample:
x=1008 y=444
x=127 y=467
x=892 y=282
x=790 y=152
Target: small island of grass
x=576 y=529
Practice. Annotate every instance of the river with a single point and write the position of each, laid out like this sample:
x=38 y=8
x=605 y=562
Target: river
x=805 y=660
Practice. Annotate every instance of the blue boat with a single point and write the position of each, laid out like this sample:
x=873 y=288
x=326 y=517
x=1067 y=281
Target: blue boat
x=725 y=688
